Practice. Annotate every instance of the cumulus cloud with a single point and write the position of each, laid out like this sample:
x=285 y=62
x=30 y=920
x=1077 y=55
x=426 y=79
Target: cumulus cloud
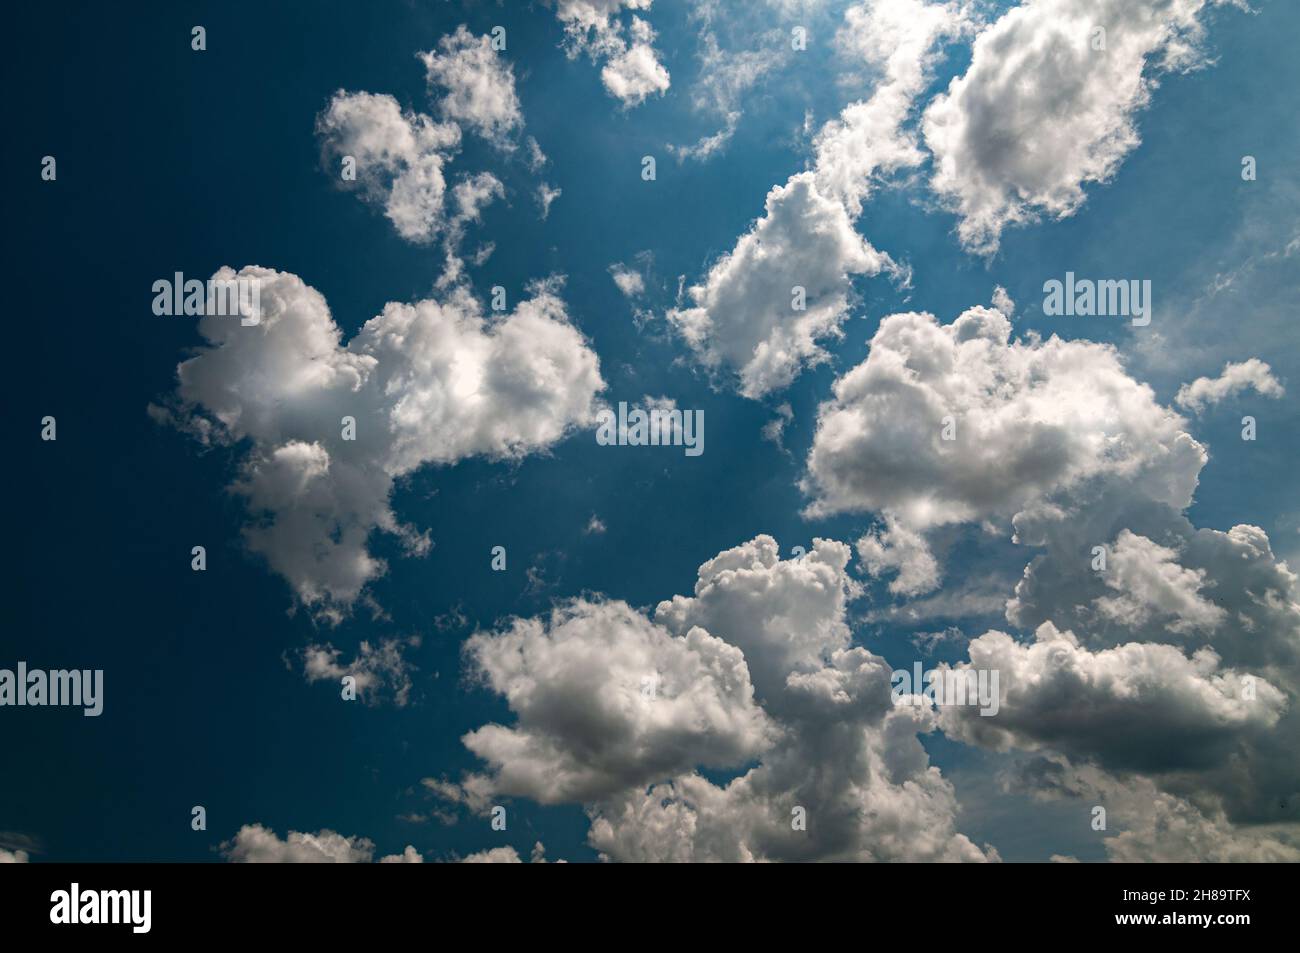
x=1186 y=692
x=1195 y=587
x=495 y=855
x=255 y=844
x=1041 y=111
x=757 y=664
x=743 y=315
x=400 y=156
x=636 y=73
x=896 y=548
x=606 y=699
x=1002 y=302
x=1149 y=583
x=1252 y=374
x=900 y=40
x=1056 y=693
x=632 y=71
x=1039 y=429
x=13 y=856
x=477 y=86
x=433 y=382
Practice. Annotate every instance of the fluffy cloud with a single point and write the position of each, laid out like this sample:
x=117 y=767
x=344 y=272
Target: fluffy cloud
x=400 y=158
x=904 y=551
x=478 y=85
x=1056 y=693
x=831 y=747
x=606 y=700
x=380 y=670
x=632 y=71
x=1149 y=583
x=13 y=856
x=255 y=844
x=1252 y=374
x=432 y=382
x=1186 y=691
x=496 y=855
x=1040 y=112
x=636 y=73
x=743 y=315
x=1165 y=578
x=1040 y=430
x=899 y=40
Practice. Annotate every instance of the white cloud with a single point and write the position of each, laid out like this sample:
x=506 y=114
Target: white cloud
x=545 y=196
x=900 y=40
x=1154 y=826
x=606 y=700
x=629 y=281
x=1252 y=374
x=636 y=73
x=743 y=314
x=1040 y=113
x=478 y=85
x=1057 y=694
x=496 y=855
x=827 y=738
x=380 y=670
x=1033 y=422
x=904 y=551
x=632 y=72
x=433 y=382
x=255 y=844
x=13 y=856
x=1149 y=583
x=1002 y=302
x=400 y=158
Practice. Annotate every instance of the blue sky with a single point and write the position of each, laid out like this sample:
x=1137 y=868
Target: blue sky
x=176 y=160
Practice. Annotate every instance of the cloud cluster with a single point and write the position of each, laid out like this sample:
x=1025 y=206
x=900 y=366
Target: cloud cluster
x=1049 y=105
x=399 y=157
x=380 y=671
x=957 y=423
x=757 y=665
x=746 y=315
x=433 y=382
x=632 y=71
